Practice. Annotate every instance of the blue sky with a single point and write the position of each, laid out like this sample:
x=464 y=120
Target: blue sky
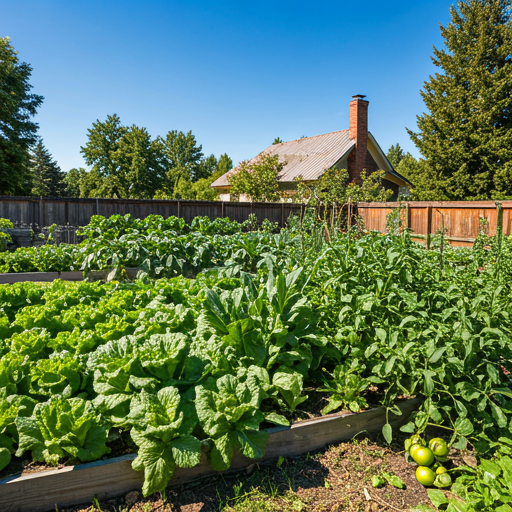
x=238 y=74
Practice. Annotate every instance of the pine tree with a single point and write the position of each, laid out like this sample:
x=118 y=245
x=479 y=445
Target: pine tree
x=48 y=179
x=466 y=136
x=396 y=154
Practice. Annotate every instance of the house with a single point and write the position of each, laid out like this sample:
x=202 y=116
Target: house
x=354 y=149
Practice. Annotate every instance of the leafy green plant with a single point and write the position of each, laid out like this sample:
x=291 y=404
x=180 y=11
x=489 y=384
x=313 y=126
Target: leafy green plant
x=162 y=425
x=62 y=427
x=345 y=387
x=229 y=412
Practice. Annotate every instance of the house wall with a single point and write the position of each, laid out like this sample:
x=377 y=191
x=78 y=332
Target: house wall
x=389 y=185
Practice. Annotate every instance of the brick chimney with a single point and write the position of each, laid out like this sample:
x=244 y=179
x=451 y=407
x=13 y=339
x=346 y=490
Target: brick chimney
x=358 y=131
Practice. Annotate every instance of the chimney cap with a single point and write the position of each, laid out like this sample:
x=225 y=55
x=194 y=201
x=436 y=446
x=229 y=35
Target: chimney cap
x=359 y=96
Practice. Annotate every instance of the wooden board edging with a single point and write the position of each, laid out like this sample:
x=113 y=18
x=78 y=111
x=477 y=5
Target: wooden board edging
x=48 y=277
x=104 y=479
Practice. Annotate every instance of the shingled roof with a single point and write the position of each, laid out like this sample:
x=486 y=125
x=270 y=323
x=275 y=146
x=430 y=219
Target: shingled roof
x=308 y=157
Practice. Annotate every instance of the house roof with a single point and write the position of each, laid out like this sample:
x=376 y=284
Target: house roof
x=310 y=157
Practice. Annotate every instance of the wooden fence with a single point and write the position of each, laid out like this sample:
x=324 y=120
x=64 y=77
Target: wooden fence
x=463 y=220
x=44 y=211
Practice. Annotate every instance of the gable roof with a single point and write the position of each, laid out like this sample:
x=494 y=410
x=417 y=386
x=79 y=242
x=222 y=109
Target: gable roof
x=310 y=157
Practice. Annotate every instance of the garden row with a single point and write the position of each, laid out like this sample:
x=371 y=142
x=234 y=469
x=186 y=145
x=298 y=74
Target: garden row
x=172 y=366
x=160 y=247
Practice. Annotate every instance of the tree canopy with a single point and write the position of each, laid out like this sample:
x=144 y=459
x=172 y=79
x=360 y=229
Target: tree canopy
x=257 y=180
x=466 y=135
x=126 y=162
x=17 y=130
x=48 y=179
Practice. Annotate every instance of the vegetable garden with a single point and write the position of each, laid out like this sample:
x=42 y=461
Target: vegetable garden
x=226 y=332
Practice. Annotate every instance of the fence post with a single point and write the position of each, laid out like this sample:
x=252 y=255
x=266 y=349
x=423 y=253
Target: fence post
x=178 y=209
x=429 y=225
x=409 y=220
x=282 y=214
x=349 y=214
x=222 y=209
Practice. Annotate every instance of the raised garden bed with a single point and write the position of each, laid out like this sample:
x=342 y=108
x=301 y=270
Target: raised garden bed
x=47 y=277
x=71 y=485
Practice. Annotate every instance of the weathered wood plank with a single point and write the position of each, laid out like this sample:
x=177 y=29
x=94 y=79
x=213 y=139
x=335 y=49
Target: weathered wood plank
x=71 y=485
x=40 y=277
x=74 y=275
x=21 y=277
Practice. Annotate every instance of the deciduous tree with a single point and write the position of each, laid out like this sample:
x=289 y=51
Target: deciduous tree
x=182 y=159
x=257 y=180
x=17 y=130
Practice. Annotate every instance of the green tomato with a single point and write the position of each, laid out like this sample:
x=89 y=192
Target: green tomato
x=439 y=447
x=423 y=456
x=440 y=469
x=442 y=459
x=443 y=480
x=425 y=476
x=414 y=448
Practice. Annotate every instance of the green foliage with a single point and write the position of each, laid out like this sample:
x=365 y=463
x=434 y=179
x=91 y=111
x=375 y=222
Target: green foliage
x=62 y=428
x=17 y=130
x=81 y=183
x=396 y=154
x=229 y=412
x=161 y=431
x=277 y=140
x=47 y=176
x=126 y=162
x=100 y=153
x=206 y=363
x=183 y=160
x=345 y=387
x=466 y=135
x=333 y=188
x=370 y=189
x=257 y=180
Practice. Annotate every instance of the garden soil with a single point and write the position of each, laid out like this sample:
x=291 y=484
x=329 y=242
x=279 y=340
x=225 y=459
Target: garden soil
x=335 y=479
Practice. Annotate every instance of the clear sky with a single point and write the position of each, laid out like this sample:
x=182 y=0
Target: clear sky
x=238 y=74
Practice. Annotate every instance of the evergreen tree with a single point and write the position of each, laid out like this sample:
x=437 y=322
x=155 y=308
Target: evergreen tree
x=48 y=179
x=466 y=136
x=17 y=130
x=396 y=154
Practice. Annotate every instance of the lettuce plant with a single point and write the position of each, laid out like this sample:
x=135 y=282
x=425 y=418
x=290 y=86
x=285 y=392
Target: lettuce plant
x=229 y=412
x=161 y=428
x=63 y=427
x=11 y=407
x=126 y=366
x=60 y=374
